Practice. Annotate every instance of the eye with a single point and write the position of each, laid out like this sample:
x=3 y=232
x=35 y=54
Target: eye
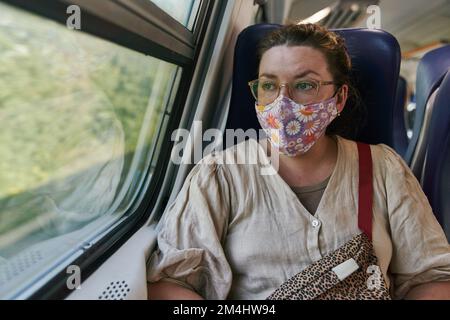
x=305 y=86
x=268 y=85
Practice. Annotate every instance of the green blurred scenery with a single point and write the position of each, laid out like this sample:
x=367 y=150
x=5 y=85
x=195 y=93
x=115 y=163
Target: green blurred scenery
x=72 y=108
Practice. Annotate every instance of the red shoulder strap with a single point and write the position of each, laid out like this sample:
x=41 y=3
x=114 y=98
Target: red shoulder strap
x=365 y=192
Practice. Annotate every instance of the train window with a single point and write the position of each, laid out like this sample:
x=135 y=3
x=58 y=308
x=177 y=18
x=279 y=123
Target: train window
x=183 y=11
x=81 y=124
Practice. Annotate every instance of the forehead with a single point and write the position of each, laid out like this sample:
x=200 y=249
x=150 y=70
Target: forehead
x=285 y=61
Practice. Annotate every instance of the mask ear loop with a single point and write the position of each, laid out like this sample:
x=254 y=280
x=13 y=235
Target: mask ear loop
x=337 y=90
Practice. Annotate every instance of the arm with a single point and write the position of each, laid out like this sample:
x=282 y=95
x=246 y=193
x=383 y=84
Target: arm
x=420 y=263
x=164 y=290
x=190 y=238
x=430 y=291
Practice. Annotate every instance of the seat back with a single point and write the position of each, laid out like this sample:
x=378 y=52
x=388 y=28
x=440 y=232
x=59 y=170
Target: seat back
x=400 y=138
x=430 y=72
x=376 y=62
x=436 y=170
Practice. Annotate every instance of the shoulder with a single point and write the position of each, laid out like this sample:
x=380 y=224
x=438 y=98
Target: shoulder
x=384 y=157
x=247 y=152
x=390 y=163
x=229 y=162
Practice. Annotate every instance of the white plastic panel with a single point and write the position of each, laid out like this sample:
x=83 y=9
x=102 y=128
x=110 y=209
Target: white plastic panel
x=126 y=269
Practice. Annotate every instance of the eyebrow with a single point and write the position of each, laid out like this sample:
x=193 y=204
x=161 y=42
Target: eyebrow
x=302 y=74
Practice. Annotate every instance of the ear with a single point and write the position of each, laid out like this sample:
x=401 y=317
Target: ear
x=342 y=97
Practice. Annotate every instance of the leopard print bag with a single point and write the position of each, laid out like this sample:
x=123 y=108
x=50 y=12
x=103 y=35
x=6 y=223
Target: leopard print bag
x=352 y=271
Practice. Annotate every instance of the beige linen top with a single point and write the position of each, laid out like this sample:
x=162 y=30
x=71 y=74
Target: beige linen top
x=234 y=233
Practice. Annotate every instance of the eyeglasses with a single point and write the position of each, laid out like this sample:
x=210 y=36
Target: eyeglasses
x=301 y=91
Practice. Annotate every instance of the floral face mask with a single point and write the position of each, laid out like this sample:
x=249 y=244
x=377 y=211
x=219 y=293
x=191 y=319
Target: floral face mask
x=294 y=128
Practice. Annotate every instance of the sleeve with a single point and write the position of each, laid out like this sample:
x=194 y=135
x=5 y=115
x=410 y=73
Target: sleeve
x=421 y=252
x=191 y=235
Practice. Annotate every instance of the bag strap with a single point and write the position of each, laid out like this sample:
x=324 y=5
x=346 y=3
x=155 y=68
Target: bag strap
x=365 y=192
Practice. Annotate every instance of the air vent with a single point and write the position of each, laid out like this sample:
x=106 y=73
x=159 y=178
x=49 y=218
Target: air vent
x=17 y=265
x=117 y=290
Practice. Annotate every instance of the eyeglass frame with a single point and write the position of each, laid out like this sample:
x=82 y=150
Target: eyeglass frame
x=286 y=84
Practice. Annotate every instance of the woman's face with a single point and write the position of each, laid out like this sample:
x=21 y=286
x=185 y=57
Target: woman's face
x=290 y=64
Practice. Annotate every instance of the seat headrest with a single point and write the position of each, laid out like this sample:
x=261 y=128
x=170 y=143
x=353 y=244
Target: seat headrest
x=430 y=72
x=375 y=58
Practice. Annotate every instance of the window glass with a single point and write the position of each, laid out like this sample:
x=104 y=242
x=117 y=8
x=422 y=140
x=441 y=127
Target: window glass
x=184 y=11
x=79 y=122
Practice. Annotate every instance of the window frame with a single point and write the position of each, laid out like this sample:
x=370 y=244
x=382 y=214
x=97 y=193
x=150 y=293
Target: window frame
x=175 y=44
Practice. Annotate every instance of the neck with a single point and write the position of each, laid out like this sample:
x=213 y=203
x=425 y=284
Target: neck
x=312 y=167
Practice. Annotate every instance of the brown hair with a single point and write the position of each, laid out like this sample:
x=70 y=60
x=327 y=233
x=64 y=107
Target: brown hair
x=333 y=47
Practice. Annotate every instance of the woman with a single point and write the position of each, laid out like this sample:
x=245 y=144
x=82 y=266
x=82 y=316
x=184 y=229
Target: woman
x=234 y=233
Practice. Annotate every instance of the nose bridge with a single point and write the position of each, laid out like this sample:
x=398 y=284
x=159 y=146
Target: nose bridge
x=285 y=86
